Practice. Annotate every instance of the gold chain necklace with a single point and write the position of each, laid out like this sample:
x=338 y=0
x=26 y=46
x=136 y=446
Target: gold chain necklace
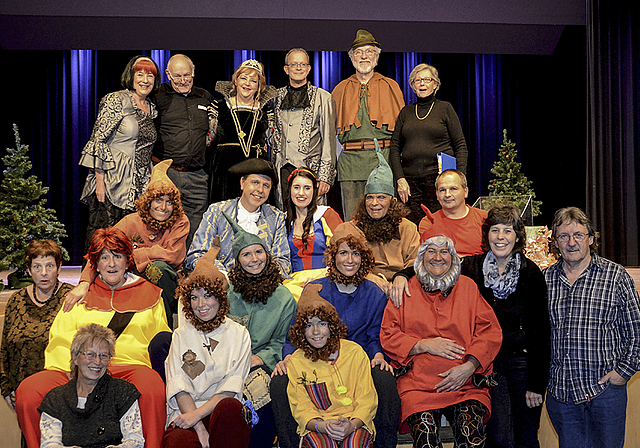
x=244 y=144
x=422 y=118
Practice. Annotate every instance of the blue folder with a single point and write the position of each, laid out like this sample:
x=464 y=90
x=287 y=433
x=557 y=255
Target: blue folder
x=446 y=162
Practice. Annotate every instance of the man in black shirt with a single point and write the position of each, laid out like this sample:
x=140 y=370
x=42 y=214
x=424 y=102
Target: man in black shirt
x=183 y=135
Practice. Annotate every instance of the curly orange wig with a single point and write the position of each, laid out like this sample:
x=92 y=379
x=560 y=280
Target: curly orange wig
x=368 y=261
x=143 y=204
x=337 y=331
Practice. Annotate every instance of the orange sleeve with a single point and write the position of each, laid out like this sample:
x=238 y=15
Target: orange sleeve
x=332 y=218
x=172 y=250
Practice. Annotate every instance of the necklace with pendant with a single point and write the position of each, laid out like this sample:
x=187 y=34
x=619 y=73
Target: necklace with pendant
x=244 y=144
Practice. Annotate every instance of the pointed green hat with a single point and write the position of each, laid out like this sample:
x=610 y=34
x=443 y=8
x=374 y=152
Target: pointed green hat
x=242 y=238
x=381 y=178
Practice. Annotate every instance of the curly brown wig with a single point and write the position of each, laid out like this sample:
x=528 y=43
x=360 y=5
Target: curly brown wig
x=143 y=203
x=256 y=288
x=337 y=331
x=380 y=230
x=215 y=288
x=368 y=261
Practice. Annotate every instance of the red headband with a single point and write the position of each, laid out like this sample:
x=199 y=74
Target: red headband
x=297 y=170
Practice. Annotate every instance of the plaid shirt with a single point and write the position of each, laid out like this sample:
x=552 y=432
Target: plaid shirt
x=595 y=328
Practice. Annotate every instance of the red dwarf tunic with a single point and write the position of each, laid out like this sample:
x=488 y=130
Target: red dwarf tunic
x=464 y=317
x=466 y=232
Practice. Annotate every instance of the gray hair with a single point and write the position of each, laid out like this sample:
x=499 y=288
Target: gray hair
x=421 y=67
x=445 y=281
x=296 y=50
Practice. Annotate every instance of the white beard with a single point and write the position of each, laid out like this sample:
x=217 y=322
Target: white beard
x=364 y=69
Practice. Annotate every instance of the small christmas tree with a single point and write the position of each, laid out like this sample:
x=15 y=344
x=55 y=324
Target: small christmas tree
x=510 y=181
x=23 y=215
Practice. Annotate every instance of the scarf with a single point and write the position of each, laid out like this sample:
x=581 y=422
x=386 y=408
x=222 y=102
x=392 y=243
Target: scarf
x=296 y=98
x=502 y=285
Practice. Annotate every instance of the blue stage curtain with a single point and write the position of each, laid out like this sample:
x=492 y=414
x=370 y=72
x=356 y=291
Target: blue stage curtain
x=537 y=98
x=327 y=66
x=487 y=114
x=161 y=57
x=239 y=56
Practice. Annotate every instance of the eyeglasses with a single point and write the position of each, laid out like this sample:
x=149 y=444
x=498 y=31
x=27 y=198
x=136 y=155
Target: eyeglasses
x=578 y=237
x=298 y=65
x=180 y=78
x=425 y=80
x=368 y=52
x=91 y=356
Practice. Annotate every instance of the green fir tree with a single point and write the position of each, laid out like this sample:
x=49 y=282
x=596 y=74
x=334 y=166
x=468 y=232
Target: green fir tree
x=23 y=213
x=510 y=181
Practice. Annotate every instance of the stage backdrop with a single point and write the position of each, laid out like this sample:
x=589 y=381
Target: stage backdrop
x=539 y=99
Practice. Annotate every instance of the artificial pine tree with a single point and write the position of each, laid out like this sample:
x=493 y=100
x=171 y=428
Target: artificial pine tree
x=23 y=215
x=510 y=181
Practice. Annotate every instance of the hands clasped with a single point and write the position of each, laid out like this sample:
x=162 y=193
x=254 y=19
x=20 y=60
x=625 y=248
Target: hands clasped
x=337 y=429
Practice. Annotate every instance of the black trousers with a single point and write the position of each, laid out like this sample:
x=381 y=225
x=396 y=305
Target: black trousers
x=423 y=191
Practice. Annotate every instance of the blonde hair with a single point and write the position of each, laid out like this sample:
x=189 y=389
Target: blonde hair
x=87 y=337
x=242 y=69
x=421 y=67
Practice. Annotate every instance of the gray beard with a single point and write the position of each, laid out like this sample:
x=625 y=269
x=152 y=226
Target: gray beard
x=369 y=70
x=363 y=72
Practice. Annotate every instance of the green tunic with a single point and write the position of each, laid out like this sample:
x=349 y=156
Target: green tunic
x=267 y=324
x=357 y=165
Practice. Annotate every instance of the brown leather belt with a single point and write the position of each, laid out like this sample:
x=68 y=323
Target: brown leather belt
x=155 y=159
x=365 y=145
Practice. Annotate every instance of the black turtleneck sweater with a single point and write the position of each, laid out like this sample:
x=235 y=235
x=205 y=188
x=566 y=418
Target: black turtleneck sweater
x=416 y=143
